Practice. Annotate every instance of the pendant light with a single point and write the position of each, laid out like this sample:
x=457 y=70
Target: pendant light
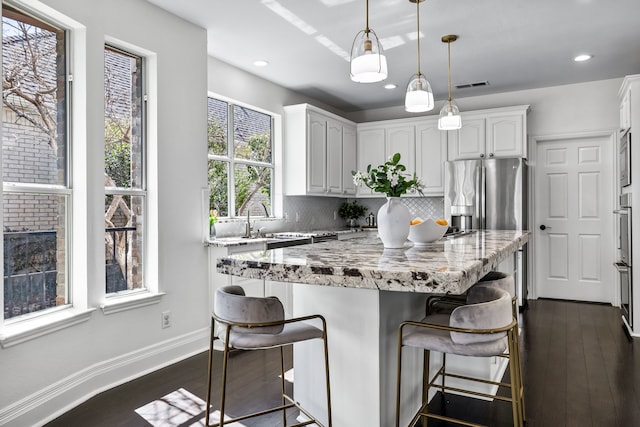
x=450 y=118
x=368 y=63
x=419 y=97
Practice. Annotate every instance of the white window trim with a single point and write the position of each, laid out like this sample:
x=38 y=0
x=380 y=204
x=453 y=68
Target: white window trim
x=34 y=325
x=276 y=159
x=46 y=323
x=151 y=293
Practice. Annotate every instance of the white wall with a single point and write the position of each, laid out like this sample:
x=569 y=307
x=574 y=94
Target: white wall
x=237 y=84
x=43 y=377
x=554 y=110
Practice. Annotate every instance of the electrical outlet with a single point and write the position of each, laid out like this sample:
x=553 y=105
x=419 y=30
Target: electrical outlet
x=166 y=319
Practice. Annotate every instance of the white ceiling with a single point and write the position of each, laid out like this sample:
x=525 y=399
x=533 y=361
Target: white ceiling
x=513 y=44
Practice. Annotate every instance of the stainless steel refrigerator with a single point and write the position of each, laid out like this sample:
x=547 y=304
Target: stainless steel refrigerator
x=490 y=194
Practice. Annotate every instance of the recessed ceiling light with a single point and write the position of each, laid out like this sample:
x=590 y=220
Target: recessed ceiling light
x=582 y=58
x=390 y=86
x=260 y=63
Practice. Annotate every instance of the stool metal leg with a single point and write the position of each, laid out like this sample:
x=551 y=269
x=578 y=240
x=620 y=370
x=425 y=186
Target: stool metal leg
x=224 y=376
x=210 y=370
x=326 y=370
x=425 y=385
x=398 y=376
x=284 y=402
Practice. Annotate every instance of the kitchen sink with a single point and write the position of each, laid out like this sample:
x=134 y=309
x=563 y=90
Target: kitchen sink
x=284 y=242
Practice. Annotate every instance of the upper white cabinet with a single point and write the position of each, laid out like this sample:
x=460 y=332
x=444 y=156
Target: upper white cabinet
x=500 y=132
x=625 y=110
x=469 y=141
x=421 y=145
x=349 y=159
x=402 y=139
x=319 y=152
x=629 y=95
x=371 y=151
x=431 y=153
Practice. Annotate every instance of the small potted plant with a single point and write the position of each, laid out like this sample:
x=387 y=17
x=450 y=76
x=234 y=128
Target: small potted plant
x=352 y=212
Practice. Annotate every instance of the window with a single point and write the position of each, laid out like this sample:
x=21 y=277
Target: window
x=35 y=160
x=125 y=183
x=241 y=173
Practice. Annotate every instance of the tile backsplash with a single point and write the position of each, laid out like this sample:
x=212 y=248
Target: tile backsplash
x=318 y=212
x=307 y=213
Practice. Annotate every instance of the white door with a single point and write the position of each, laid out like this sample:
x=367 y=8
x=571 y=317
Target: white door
x=573 y=224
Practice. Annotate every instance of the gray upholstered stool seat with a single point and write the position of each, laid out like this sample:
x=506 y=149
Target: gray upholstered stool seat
x=484 y=327
x=256 y=323
x=440 y=340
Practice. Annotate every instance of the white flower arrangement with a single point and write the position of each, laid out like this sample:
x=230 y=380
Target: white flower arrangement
x=389 y=178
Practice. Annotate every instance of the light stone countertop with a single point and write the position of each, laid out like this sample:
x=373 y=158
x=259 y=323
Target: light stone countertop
x=450 y=265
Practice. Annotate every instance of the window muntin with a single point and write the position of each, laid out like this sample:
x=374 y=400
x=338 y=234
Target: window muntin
x=125 y=184
x=35 y=165
x=240 y=174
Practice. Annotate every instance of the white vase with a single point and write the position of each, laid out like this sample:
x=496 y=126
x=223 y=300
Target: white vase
x=393 y=223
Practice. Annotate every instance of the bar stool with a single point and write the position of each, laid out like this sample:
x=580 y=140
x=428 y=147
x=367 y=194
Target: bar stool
x=252 y=323
x=484 y=327
x=500 y=280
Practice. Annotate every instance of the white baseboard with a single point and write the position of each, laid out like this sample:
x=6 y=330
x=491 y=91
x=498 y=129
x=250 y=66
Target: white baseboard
x=56 y=399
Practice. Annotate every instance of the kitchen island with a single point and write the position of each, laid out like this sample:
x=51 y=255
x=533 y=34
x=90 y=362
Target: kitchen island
x=364 y=292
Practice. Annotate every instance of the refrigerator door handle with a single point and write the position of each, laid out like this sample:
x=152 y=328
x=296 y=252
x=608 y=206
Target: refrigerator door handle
x=482 y=223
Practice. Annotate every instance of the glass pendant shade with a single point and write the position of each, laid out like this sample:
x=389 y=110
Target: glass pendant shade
x=419 y=97
x=368 y=63
x=450 y=118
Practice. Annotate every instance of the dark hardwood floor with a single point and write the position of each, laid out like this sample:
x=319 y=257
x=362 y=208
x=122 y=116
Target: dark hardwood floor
x=580 y=369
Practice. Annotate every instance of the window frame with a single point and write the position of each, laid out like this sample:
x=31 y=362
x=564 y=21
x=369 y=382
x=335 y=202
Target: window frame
x=275 y=165
x=149 y=293
x=77 y=311
x=141 y=190
x=20 y=13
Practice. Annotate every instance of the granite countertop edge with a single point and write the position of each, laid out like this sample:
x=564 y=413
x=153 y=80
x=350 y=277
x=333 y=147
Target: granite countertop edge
x=450 y=266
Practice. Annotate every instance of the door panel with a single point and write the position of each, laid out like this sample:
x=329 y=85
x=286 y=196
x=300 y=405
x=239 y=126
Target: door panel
x=574 y=201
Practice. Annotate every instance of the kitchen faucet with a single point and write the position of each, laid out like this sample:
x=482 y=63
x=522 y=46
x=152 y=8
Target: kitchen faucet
x=247 y=227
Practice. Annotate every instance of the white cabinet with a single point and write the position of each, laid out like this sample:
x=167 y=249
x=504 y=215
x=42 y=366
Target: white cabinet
x=506 y=136
x=423 y=148
x=421 y=145
x=333 y=158
x=499 y=132
x=349 y=160
x=625 y=110
x=316 y=143
x=371 y=151
x=431 y=153
x=402 y=139
x=316 y=175
x=469 y=141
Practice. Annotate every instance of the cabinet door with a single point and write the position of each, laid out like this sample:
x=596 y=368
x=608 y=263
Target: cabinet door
x=469 y=141
x=402 y=139
x=334 y=157
x=505 y=136
x=370 y=152
x=431 y=153
x=316 y=153
x=348 y=159
x=625 y=111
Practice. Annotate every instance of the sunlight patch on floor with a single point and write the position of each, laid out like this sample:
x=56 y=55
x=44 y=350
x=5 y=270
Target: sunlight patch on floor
x=179 y=408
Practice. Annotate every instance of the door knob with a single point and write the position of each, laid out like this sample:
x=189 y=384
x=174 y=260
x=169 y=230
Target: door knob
x=544 y=227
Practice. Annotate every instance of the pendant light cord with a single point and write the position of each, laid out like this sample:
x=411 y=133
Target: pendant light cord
x=366 y=29
x=449 y=68
x=418 y=33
